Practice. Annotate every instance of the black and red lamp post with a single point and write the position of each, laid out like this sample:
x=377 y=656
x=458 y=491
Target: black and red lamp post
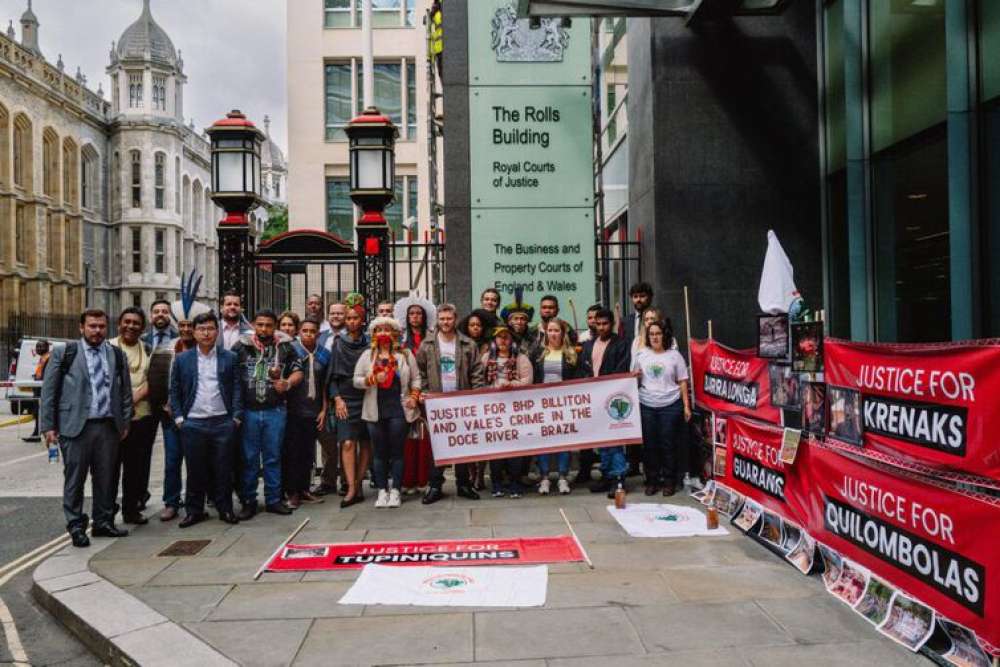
x=236 y=188
x=373 y=168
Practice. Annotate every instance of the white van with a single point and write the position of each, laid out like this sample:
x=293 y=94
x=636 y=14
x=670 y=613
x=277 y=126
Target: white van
x=22 y=371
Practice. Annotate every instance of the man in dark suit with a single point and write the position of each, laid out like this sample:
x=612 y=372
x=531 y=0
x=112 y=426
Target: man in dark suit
x=86 y=407
x=642 y=297
x=206 y=400
x=607 y=354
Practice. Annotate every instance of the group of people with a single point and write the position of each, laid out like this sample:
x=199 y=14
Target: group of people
x=238 y=400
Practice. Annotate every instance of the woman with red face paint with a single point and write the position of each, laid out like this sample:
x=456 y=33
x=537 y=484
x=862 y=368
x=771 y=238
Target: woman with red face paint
x=391 y=380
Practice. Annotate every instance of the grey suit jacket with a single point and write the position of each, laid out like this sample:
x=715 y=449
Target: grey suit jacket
x=70 y=415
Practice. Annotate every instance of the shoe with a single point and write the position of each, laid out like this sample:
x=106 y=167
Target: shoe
x=602 y=485
x=293 y=501
x=353 y=501
x=498 y=492
x=210 y=503
x=32 y=438
x=342 y=491
x=278 y=508
x=468 y=492
x=108 y=530
x=410 y=491
x=80 y=538
x=382 y=500
x=168 y=514
x=614 y=486
x=544 y=487
x=321 y=490
x=514 y=494
x=669 y=489
x=193 y=519
x=394 y=499
x=145 y=499
x=651 y=489
x=228 y=517
x=695 y=483
x=309 y=499
x=433 y=495
x=564 y=487
x=533 y=476
x=247 y=512
x=582 y=476
x=135 y=518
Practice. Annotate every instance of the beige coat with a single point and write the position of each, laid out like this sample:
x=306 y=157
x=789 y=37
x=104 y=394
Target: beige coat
x=409 y=380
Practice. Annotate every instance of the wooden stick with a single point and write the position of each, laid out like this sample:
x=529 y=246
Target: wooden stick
x=687 y=324
x=576 y=322
x=281 y=546
x=710 y=337
x=576 y=539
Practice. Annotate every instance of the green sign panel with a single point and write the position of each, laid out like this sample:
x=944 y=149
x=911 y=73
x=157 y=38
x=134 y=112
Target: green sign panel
x=544 y=251
x=529 y=146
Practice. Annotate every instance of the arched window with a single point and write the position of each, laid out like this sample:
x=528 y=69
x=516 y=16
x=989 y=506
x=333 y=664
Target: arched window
x=186 y=194
x=197 y=199
x=135 y=158
x=116 y=186
x=4 y=146
x=135 y=90
x=70 y=173
x=160 y=178
x=159 y=93
x=177 y=186
x=23 y=155
x=89 y=159
x=50 y=162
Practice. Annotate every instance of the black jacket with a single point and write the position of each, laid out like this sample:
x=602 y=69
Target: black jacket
x=569 y=371
x=617 y=357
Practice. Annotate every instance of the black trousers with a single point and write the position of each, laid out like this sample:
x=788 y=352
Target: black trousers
x=298 y=453
x=463 y=476
x=208 y=455
x=93 y=452
x=514 y=467
x=134 y=456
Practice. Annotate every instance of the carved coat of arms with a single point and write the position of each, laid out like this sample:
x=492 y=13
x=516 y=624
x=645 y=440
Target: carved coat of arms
x=515 y=42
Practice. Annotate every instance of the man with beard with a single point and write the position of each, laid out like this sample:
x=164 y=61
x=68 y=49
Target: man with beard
x=268 y=369
x=548 y=309
x=233 y=326
x=314 y=309
x=161 y=331
x=642 y=297
x=591 y=327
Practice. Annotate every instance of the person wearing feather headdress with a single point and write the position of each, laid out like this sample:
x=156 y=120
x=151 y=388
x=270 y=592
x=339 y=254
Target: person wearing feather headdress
x=517 y=315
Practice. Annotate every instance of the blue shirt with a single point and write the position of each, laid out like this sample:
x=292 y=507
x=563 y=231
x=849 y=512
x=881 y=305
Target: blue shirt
x=96 y=412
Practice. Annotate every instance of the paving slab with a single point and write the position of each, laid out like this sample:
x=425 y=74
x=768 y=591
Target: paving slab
x=380 y=640
x=739 y=582
x=542 y=633
x=881 y=652
x=107 y=609
x=167 y=645
x=690 y=626
x=412 y=518
x=512 y=515
x=659 y=554
x=608 y=588
x=201 y=571
x=418 y=534
x=68 y=581
x=182 y=604
x=131 y=572
x=136 y=546
x=817 y=619
x=702 y=658
x=259 y=601
x=254 y=643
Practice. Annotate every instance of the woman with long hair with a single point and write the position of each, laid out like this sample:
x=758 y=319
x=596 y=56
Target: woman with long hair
x=479 y=325
x=347 y=400
x=555 y=361
x=504 y=366
x=391 y=380
x=416 y=317
x=489 y=300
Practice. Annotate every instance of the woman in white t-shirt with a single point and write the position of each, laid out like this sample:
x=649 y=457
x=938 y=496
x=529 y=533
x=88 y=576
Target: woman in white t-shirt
x=663 y=404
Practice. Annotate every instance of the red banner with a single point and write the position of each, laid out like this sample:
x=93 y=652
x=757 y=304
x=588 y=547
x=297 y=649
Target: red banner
x=728 y=380
x=933 y=405
x=933 y=543
x=486 y=551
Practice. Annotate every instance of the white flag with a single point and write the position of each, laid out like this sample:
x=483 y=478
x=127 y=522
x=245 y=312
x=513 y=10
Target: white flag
x=481 y=586
x=777 y=289
x=653 y=520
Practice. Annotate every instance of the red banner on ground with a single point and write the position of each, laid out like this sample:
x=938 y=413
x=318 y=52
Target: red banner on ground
x=728 y=380
x=933 y=405
x=486 y=551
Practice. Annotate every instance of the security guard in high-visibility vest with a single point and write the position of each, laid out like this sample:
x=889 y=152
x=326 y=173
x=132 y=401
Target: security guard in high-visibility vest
x=437 y=36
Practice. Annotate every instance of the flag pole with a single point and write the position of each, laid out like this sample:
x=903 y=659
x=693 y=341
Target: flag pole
x=576 y=539
x=281 y=546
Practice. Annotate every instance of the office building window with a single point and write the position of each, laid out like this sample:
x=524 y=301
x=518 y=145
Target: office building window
x=160 y=258
x=339 y=208
x=136 y=179
x=394 y=97
x=403 y=209
x=411 y=101
x=337 y=14
x=136 y=249
x=338 y=100
x=160 y=176
x=385 y=13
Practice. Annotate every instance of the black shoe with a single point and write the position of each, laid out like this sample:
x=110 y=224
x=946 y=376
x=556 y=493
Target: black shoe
x=247 y=512
x=601 y=486
x=468 y=492
x=433 y=495
x=32 y=438
x=145 y=499
x=278 y=508
x=135 y=518
x=80 y=538
x=108 y=530
x=321 y=490
x=353 y=501
x=669 y=489
x=652 y=488
x=228 y=517
x=192 y=519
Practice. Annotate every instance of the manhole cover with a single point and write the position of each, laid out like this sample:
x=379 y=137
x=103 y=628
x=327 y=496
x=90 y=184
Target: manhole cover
x=184 y=548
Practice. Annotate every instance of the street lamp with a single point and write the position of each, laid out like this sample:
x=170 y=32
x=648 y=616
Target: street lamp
x=236 y=188
x=373 y=169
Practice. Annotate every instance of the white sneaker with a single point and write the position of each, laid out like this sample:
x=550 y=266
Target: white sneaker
x=383 y=499
x=394 y=499
x=544 y=487
x=564 y=486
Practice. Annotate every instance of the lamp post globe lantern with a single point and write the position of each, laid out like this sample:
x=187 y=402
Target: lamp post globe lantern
x=236 y=188
x=372 y=138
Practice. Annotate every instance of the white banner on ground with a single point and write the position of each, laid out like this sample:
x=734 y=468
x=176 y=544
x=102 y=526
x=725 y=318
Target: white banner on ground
x=481 y=586
x=483 y=424
x=652 y=520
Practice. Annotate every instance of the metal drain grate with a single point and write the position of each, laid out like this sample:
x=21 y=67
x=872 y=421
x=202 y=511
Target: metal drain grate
x=185 y=548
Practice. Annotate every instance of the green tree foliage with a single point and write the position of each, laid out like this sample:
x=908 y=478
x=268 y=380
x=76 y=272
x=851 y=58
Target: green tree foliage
x=277 y=221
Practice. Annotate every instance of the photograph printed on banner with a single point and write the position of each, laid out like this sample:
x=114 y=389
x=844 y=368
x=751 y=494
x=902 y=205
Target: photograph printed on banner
x=790 y=536
x=704 y=494
x=807 y=347
x=851 y=584
x=719 y=461
x=784 y=386
x=731 y=506
x=719 y=431
x=747 y=518
x=965 y=651
x=908 y=622
x=814 y=408
x=770 y=529
x=844 y=414
x=790 y=439
x=296 y=553
x=704 y=426
x=803 y=554
x=874 y=604
x=832 y=565
x=772 y=336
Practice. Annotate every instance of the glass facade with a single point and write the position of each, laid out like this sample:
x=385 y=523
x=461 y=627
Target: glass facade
x=989 y=68
x=339 y=208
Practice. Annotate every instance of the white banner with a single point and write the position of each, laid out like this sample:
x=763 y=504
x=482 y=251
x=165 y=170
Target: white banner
x=483 y=424
x=450 y=586
x=652 y=520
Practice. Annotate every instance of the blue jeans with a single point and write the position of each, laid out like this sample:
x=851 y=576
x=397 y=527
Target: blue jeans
x=173 y=461
x=263 y=431
x=659 y=441
x=562 y=463
x=614 y=463
x=388 y=438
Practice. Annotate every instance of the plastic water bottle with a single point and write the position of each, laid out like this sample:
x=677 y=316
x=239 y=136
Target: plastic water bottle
x=53 y=453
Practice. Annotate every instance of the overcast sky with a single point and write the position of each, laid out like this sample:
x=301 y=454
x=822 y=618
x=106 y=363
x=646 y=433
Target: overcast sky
x=234 y=50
